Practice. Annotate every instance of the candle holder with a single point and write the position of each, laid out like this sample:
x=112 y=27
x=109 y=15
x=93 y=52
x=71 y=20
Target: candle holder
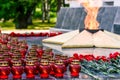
x=57 y=56
x=37 y=63
x=17 y=69
x=28 y=58
x=9 y=45
x=44 y=69
x=34 y=46
x=65 y=60
x=6 y=57
x=40 y=51
x=23 y=51
x=1 y=58
x=51 y=52
x=44 y=57
x=32 y=53
x=24 y=42
x=4 y=70
x=14 y=58
x=74 y=68
x=30 y=69
x=52 y=63
x=1 y=52
x=59 y=69
x=17 y=53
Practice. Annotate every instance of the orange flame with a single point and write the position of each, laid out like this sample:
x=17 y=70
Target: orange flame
x=92 y=11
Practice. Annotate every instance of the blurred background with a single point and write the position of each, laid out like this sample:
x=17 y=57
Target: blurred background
x=29 y=14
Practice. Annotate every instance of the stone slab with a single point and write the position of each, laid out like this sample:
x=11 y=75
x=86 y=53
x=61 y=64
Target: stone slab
x=60 y=17
x=108 y=17
x=68 y=18
x=77 y=18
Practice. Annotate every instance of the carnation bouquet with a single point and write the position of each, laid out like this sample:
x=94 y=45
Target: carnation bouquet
x=100 y=67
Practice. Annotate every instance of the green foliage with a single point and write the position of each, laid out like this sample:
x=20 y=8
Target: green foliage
x=12 y=8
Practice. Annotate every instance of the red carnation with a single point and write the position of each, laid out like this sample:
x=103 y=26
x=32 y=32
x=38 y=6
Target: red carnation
x=75 y=55
x=81 y=57
x=104 y=58
x=89 y=57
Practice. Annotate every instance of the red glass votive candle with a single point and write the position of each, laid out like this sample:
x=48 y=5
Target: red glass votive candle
x=37 y=63
x=14 y=58
x=65 y=60
x=32 y=52
x=40 y=51
x=30 y=69
x=17 y=69
x=59 y=69
x=1 y=58
x=52 y=63
x=28 y=58
x=44 y=69
x=24 y=43
x=23 y=51
x=4 y=70
x=7 y=57
x=44 y=57
x=57 y=56
x=74 y=68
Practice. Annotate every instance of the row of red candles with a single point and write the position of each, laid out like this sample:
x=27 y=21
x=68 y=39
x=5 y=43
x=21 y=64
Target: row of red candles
x=44 y=68
x=15 y=53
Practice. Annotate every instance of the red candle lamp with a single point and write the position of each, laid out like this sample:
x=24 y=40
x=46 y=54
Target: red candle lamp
x=50 y=57
x=59 y=68
x=52 y=63
x=9 y=45
x=40 y=51
x=24 y=42
x=28 y=58
x=32 y=53
x=1 y=58
x=1 y=52
x=6 y=57
x=74 y=68
x=37 y=63
x=23 y=51
x=4 y=70
x=44 y=57
x=14 y=40
x=30 y=69
x=44 y=69
x=34 y=46
x=65 y=60
x=14 y=58
x=17 y=69
x=51 y=52
x=57 y=56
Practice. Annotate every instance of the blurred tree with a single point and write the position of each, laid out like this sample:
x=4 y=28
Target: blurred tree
x=60 y=3
x=46 y=10
x=19 y=10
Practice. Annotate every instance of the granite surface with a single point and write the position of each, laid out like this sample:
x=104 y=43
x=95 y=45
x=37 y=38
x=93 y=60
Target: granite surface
x=73 y=18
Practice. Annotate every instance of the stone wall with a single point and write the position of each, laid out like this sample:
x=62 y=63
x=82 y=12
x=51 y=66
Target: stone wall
x=73 y=18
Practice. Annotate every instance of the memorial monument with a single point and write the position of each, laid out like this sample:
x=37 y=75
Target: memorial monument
x=93 y=39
